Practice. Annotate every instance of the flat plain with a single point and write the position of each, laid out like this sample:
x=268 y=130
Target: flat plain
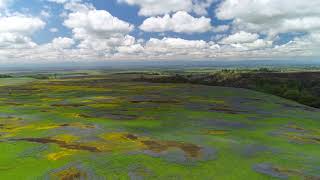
x=107 y=126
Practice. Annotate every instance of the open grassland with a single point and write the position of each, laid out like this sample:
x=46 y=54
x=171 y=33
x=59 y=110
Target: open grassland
x=106 y=126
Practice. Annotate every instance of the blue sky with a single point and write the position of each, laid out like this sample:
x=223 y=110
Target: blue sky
x=102 y=30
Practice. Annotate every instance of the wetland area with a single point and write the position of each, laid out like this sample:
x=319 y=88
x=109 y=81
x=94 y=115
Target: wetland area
x=99 y=125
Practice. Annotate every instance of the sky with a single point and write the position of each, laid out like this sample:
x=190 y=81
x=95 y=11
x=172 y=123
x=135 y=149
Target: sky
x=46 y=31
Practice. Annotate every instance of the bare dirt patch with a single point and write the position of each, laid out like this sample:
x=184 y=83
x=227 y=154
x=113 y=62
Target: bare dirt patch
x=191 y=150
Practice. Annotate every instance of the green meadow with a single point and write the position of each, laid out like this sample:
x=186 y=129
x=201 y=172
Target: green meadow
x=97 y=125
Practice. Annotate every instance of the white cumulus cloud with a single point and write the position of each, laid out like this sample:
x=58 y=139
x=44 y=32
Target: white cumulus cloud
x=15 y=30
x=157 y=7
x=59 y=1
x=180 y=22
x=271 y=17
x=240 y=37
x=20 y=24
x=53 y=30
x=98 y=23
x=4 y=3
x=62 y=43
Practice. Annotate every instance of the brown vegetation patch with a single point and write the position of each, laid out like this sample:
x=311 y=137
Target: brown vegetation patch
x=155 y=101
x=116 y=116
x=278 y=172
x=217 y=132
x=145 y=143
x=113 y=116
x=79 y=125
x=60 y=143
x=84 y=116
x=14 y=104
x=67 y=105
x=159 y=146
x=297 y=134
x=286 y=171
x=295 y=127
x=293 y=172
x=71 y=173
x=303 y=138
x=131 y=136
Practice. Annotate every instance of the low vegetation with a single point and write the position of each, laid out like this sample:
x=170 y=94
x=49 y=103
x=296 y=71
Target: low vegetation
x=5 y=76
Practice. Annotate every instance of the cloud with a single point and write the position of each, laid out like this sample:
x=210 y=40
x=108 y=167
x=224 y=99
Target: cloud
x=59 y=1
x=200 y=6
x=271 y=17
x=96 y=23
x=240 y=37
x=177 y=48
x=134 y=49
x=15 y=41
x=257 y=44
x=307 y=45
x=180 y=22
x=221 y=28
x=77 y=6
x=176 y=43
x=53 y=30
x=4 y=3
x=107 y=45
x=257 y=30
x=45 y=14
x=20 y=24
x=99 y=33
x=156 y=7
x=245 y=41
x=15 y=31
x=62 y=43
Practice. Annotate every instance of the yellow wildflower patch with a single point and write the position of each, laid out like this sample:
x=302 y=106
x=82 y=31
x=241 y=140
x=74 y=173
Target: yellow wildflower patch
x=104 y=105
x=217 y=132
x=48 y=127
x=68 y=138
x=61 y=154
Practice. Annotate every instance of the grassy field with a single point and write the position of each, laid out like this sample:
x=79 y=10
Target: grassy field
x=106 y=126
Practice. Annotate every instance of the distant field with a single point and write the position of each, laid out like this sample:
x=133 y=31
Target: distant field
x=15 y=81
x=302 y=86
x=97 y=125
